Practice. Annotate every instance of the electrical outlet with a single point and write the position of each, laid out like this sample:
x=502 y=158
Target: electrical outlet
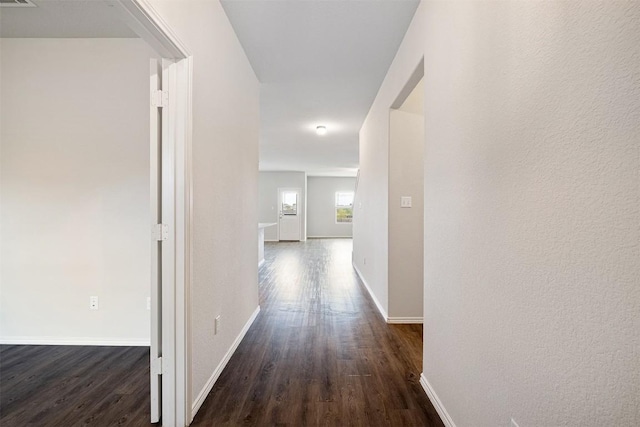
x=148 y=303
x=405 y=201
x=218 y=324
x=513 y=423
x=93 y=303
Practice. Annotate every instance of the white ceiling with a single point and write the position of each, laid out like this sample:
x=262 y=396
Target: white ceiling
x=63 y=19
x=320 y=63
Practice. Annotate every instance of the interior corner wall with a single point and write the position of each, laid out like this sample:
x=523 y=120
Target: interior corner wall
x=226 y=125
x=532 y=188
x=321 y=206
x=269 y=182
x=406 y=225
x=75 y=191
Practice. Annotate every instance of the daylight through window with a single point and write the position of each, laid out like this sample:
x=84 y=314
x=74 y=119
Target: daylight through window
x=289 y=203
x=344 y=206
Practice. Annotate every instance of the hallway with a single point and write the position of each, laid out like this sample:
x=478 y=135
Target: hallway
x=319 y=353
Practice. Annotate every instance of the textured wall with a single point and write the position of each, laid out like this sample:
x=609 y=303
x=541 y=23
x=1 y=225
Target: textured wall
x=532 y=208
x=225 y=181
x=75 y=191
x=321 y=206
x=533 y=157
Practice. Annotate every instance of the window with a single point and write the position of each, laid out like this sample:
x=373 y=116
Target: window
x=344 y=207
x=289 y=203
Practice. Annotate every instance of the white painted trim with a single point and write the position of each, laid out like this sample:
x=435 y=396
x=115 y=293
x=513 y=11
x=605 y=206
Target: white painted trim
x=260 y=263
x=272 y=241
x=329 y=237
x=155 y=327
x=381 y=309
x=170 y=252
x=435 y=401
x=73 y=341
x=177 y=213
x=184 y=243
x=216 y=373
x=405 y=320
x=176 y=146
x=143 y=19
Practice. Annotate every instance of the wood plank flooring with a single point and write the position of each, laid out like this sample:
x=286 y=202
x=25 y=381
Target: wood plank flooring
x=319 y=353
x=74 y=386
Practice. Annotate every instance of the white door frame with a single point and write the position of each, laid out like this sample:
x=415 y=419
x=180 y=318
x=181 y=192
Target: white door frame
x=155 y=292
x=177 y=200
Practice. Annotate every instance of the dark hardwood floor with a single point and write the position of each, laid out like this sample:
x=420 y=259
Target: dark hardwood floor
x=319 y=353
x=74 y=386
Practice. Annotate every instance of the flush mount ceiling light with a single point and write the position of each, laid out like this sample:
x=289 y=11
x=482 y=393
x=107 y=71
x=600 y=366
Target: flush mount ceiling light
x=321 y=130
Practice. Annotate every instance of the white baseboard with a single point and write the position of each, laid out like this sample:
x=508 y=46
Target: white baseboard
x=435 y=401
x=329 y=237
x=405 y=320
x=260 y=263
x=381 y=309
x=73 y=341
x=195 y=407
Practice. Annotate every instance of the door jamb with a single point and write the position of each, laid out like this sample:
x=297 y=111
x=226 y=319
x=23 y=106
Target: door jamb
x=149 y=25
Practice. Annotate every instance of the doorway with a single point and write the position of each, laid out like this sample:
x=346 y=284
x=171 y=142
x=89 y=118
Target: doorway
x=289 y=214
x=88 y=191
x=406 y=215
x=406 y=203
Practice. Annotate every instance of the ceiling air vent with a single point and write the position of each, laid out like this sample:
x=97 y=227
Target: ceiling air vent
x=16 y=3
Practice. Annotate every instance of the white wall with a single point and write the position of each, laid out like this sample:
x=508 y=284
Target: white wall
x=406 y=230
x=75 y=190
x=269 y=182
x=532 y=160
x=225 y=184
x=371 y=210
x=321 y=206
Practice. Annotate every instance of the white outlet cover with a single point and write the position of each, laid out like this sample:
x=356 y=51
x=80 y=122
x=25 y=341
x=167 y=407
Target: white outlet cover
x=93 y=303
x=405 y=201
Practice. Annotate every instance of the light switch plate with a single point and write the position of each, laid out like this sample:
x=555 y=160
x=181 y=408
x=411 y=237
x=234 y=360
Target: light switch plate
x=218 y=324
x=405 y=201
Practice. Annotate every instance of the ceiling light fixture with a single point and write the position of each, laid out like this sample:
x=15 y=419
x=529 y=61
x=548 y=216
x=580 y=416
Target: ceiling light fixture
x=321 y=130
